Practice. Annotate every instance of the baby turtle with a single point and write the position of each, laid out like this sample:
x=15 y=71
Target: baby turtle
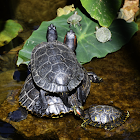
x=74 y=19
x=103 y=34
x=104 y=116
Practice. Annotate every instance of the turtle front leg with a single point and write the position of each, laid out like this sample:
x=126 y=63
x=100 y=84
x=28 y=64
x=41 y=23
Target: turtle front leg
x=41 y=105
x=81 y=95
x=94 y=78
x=64 y=97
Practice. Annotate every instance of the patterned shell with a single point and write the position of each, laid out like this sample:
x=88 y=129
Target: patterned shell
x=103 y=34
x=107 y=117
x=55 y=67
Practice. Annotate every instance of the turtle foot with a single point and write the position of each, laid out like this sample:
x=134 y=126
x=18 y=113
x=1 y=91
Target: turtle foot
x=94 y=78
x=40 y=108
x=18 y=115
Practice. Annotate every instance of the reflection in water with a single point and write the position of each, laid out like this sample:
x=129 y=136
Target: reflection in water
x=9 y=132
x=6 y=129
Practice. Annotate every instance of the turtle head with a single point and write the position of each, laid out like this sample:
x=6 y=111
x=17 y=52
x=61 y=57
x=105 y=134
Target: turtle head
x=51 y=33
x=70 y=40
x=79 y=111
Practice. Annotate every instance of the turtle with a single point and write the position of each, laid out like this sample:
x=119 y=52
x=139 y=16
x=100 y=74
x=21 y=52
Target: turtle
x=74 y=19
x=103 y=116
x=55 y=68
x=103 y=34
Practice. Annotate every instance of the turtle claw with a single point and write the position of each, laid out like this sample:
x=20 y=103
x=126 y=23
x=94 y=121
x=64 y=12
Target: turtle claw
x=94 y=78
x=40 y=108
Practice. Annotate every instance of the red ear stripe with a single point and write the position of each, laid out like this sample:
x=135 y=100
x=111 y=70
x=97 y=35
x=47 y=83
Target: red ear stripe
x=65 y=39
x=75 y=41
x=78 y=112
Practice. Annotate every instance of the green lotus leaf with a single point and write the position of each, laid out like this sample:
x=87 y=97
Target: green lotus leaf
x=102 y=10
x=10 y=31
x=88 y=46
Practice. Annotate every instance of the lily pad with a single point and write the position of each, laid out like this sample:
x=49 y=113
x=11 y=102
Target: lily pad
x=102 y=10
x=88 y=46
x=10 y=31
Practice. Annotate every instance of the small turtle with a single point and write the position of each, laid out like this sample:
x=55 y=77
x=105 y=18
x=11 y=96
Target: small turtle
x=74 y=19
x=103 y=34
x=107 y=117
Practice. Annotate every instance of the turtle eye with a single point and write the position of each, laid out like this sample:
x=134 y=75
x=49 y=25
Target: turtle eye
x=54 y=28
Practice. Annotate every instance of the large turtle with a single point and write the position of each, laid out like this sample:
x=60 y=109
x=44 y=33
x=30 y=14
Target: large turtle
x=54 y=67
x=103 y=116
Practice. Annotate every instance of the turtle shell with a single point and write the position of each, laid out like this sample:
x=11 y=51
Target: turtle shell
x=107 y=117
x=103 y=34
x=55 y=68
x=30 y=95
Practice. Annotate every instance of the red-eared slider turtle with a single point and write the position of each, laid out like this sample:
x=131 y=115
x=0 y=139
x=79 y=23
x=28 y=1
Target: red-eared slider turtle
x=74 y=19
x=103 y=34
x=54 y=66
x=104 y=116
